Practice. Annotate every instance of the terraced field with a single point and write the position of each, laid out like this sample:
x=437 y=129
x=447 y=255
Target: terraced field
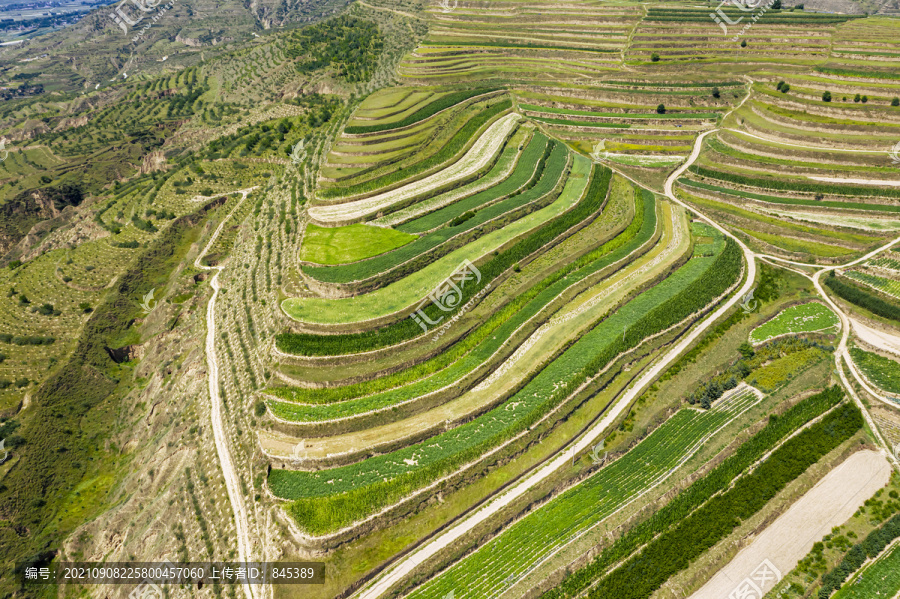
x=800 y=176
x=881 y=370
x=484 y=254
x=383 y=291
x=688 y=35
x=805 y=318
x=499 y=564
x=522 y=42
x=494 y=339
x=378 y=481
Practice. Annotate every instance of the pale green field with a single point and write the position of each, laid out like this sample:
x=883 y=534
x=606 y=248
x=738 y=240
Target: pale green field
x=340 y=245
x=804 y=318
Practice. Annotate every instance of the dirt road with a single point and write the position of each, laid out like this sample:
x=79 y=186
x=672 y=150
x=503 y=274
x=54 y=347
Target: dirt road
x=788 y=539
x=232 y=482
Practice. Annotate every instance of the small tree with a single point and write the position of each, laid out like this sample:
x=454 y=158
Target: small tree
x=716 y=92
x=776 y=5
x=259 y=408
x=780 y=85
x=895 y=102
x=654 y=57
x=661 y=109
x=743 y=43
x=826 y=97
x=785 y=88
x=864 y=99
x=856 y=98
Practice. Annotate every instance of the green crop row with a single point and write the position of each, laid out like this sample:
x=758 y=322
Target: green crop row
x=782 y=185
x=476 y=347
x=537 y=182
x=867 y=74
x=862 y=298
x=790 y=201
x=421 y=114
x=677 y=510
x=453 y=146
x=675 y=549
x=677 y=84
x=772 y=16
x=775 y=20
x=621 y=115
x=326 y=345
x=882 y=371
x=333 y=498
x=581 y=123
x=883 y=284
x=520 y=46
x=485 y=572
x=526 y=173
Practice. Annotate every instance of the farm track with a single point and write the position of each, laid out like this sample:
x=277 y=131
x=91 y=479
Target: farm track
x=232 y=478
x=784 y=542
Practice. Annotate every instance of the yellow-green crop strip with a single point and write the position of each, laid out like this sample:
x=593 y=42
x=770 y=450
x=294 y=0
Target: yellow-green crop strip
x=404 y=293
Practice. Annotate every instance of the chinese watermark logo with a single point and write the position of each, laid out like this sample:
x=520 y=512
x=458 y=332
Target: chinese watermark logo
x=146 y=590
x=447 y=295
x=124 y=20
x=762 y=580
x=746 y=6
x=748 y=304
x=3 y=151
x=448 y=5
x=4 y=450
x=595 y=453
x=894 y=153
x=298 y=153
x=148 y=303
x=600 y=147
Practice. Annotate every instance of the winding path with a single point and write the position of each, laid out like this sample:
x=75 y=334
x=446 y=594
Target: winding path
x=232 y=481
